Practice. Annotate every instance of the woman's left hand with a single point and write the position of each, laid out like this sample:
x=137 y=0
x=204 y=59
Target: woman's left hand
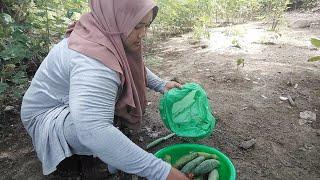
x=172 y=84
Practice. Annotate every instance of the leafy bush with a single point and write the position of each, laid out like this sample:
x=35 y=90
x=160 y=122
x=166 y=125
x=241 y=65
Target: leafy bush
x=27 y=31
x=178 y=16
x=273 y=11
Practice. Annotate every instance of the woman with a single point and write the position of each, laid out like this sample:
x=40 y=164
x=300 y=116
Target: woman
x=87 y=80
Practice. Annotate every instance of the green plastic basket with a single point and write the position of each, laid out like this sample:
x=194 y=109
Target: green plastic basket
x=226 y=169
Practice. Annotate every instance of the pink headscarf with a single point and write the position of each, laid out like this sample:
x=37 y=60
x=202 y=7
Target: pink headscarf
x=99 y=34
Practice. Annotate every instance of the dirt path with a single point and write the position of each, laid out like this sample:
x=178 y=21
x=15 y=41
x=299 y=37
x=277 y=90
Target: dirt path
x=245 y=101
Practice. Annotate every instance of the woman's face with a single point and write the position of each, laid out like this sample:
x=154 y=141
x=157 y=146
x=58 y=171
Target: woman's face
x=133 y=42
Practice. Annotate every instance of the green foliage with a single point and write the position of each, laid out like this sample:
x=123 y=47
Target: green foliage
x=273 y=11
x=178 y=16
x=3 y=87
x=235 y=10
x=27 y=31
x=240 y=61
x=316 y=43
x=314 y=59
x=235 y=43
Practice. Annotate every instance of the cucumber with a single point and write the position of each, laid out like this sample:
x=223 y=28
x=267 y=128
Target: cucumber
x=158 y=141
x=207 y=155
x=192 y=164
x=184 y=160
x=206 y=167
x=213 y=175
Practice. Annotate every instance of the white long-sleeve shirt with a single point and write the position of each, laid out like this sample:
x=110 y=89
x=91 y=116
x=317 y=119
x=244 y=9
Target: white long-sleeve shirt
x=70 y=86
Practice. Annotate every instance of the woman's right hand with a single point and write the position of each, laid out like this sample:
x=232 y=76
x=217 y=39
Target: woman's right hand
x=176 y=175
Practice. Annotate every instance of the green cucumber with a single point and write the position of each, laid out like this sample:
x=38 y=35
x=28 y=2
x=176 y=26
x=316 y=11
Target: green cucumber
x=192 y=164
x=207 y=155
x=184 y=160
x=213 y=175
x=206 y=167
x=158 y=141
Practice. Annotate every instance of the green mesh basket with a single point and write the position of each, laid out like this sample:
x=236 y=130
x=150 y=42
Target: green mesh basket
x=187 y=112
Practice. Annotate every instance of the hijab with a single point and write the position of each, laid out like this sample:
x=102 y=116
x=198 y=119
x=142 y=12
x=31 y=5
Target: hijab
x=100 y=34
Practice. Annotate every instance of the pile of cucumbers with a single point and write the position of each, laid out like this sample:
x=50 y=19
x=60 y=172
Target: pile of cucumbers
x=197 y=165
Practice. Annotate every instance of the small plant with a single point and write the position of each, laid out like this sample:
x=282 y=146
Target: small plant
x=273 y=11
x=316 y=43
x=235 y=43
x=239 y=62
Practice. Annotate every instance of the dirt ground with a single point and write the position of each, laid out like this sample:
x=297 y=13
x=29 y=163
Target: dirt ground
x=245 y=99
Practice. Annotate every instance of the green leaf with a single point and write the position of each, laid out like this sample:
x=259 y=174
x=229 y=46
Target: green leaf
x=315 y=42
x=240 y=61
x=314 y=59
x=20 y=78
x=14 y=53
x=41 y=14
x=3 y=87
x=6 y=18
x=69 y=13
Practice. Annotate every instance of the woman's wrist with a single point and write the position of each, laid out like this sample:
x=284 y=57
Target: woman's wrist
x=176 y=175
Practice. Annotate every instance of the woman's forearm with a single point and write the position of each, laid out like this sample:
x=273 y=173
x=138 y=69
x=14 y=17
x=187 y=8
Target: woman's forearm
x=154 y=82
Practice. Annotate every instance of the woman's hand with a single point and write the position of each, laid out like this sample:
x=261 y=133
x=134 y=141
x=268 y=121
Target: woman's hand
x=176 y=175
x=172 y=84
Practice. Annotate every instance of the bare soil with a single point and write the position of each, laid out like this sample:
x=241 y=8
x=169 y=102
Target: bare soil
x=245 y=99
